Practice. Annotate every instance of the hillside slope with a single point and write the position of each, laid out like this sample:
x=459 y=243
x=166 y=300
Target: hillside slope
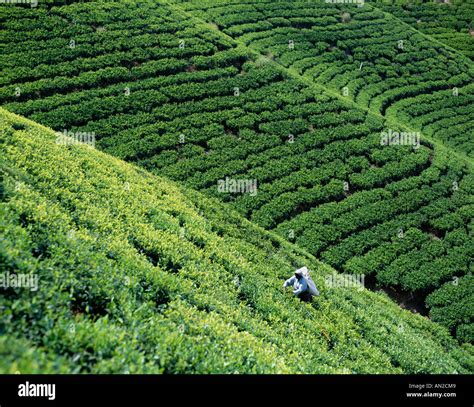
x=185 y=100
x=138 y=274
x=363 y=53
x=451 y=23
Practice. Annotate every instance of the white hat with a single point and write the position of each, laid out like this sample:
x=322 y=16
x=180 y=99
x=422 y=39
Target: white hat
x=301 y=271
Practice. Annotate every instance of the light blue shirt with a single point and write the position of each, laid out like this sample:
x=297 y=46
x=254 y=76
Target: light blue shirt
x=299 y=286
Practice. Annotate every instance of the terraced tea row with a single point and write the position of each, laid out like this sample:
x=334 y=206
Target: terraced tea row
x=451 y=23
x=361 y=53
x=185 y=101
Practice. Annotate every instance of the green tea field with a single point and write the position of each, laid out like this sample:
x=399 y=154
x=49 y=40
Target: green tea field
x=167 y=164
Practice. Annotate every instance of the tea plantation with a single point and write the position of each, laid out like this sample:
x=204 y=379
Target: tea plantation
x=137 y=274
x=364 y=54
x=294 y=97
x=450 y=23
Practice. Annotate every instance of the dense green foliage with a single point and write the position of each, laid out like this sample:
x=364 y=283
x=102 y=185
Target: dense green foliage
x=451 y=306
x=137 y=274
x=451 y=23
x=183 y=100
x=438 y=113
x=363 y=53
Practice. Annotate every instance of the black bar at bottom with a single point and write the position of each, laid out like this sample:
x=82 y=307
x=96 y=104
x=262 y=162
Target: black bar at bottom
x=421 y=390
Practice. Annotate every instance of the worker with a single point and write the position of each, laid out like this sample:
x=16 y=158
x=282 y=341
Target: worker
x=303 y=285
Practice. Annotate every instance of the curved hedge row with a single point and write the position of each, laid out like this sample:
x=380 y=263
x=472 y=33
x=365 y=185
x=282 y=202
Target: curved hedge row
x=362 y=53
x=448 y=23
